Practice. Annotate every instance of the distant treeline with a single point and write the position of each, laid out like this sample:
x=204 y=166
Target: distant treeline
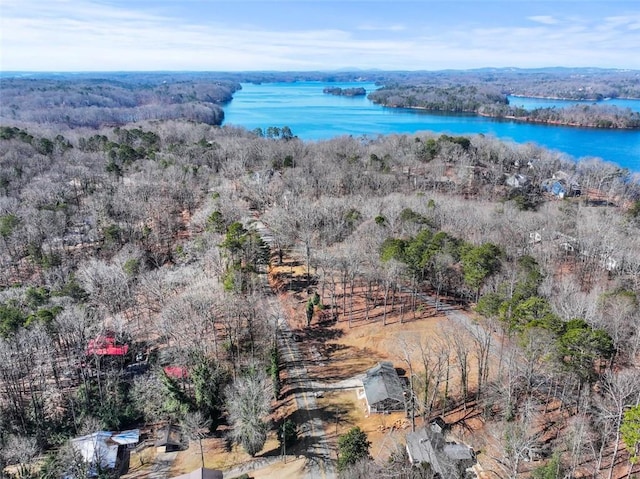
x=97 y=99
x=489 y=97
x=569 y=83
x=116 y=100
x=562 y=83
x=593 y=116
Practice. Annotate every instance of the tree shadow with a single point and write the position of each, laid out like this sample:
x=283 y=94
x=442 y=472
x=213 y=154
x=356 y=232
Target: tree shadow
x=318 y=334
x=303 y=418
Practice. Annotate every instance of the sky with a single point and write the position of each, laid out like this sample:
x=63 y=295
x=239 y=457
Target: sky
x=305 y=35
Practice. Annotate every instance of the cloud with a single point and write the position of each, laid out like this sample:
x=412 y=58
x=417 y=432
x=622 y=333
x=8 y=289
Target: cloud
x=544 y=19
x=382 y=28
x=629 y=22
x=74 y=35
x=82 y=35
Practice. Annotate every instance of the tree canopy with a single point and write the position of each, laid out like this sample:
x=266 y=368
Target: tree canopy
x=352 y=447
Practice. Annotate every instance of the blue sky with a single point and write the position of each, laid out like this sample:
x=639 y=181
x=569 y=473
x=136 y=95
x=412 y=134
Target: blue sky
x=236 y=35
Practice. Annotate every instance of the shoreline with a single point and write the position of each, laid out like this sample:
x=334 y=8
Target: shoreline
x=559 y=98
x=555 y=122
x=512 y=118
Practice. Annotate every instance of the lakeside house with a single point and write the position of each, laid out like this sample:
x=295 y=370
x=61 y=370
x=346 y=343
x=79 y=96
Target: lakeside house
x=517 y=181
x=562 y=185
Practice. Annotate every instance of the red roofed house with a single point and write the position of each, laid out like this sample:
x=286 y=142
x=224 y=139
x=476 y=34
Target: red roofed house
x=106 y=346
x=176 y=372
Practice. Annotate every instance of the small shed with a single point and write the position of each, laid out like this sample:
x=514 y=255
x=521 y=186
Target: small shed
x=383 y=389
x=438 y=425
x=535 y=237
x=168 y=438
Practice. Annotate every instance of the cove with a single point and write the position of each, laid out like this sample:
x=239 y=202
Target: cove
x=314 y=115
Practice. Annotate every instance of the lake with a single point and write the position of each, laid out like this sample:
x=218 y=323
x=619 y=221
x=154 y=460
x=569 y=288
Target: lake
x=314 y=115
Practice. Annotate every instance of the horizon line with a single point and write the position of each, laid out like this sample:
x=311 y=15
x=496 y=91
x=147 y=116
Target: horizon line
x=336 y=70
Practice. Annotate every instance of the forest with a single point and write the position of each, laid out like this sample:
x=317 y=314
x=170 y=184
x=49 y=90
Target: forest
x=486 y=93
x=568 y=83
x=156 y=237
x=118 y=98
x=115 y=99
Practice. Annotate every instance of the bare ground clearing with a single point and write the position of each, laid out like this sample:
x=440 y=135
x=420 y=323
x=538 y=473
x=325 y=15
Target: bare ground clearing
x=338 y=352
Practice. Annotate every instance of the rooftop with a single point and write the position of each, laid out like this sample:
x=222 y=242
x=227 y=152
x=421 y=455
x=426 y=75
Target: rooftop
x=382 y=382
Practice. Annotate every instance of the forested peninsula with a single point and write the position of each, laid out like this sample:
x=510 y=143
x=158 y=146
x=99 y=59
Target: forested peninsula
x=486 y=93
x=114 y=99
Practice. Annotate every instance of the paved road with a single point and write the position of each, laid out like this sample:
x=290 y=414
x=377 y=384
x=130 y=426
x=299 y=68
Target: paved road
x=320 y=463
x=319 y=454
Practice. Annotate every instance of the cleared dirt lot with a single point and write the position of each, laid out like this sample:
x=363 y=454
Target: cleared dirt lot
x=339 y=349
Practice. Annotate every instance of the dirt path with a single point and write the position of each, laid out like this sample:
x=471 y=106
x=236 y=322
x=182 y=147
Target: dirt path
x=162 y=465
x=251 y=466
x=346 y=384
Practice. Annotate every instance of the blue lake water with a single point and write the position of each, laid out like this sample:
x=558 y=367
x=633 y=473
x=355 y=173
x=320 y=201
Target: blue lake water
x=314 y=115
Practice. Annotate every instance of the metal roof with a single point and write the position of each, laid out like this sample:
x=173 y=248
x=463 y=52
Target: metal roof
x=97 y=449
x=420 y=449
x=127 y=437
x=101 y=447
x=445 y=458
x=458 y=452
x=381 y=382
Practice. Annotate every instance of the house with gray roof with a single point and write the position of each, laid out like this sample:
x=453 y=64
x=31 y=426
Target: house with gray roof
x=105 y=449
x=383 y=389
x=448 y=460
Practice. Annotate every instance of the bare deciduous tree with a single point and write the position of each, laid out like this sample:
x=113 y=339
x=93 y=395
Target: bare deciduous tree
x=248 y=406
x=195 y=427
